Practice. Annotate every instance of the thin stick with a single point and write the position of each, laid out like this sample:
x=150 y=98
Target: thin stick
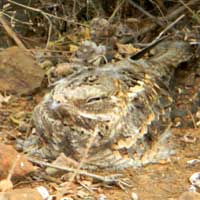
x=17 y=20
x=106 y=179
x=45 y=13
x=84 y=157
x=49 y=31
x=159 y=9
x=156 y=40
x=180 y=9
x=85 y=154
x=13 y=167
x=190 y=10
x=145 y=12
x=169 y=27
x=116 y=10
x=193 y=119
x=10 y=32
x=169 y=17
x=11 y=171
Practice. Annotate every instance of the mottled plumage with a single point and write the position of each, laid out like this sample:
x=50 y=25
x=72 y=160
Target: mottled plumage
x=127 y=102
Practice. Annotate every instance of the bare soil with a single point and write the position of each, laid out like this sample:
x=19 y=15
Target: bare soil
x=165 y=180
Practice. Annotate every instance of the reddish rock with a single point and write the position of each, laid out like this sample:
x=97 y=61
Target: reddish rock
x=10 y=158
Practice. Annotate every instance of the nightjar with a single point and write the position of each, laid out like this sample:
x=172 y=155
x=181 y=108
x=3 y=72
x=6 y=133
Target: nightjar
x=126 y=104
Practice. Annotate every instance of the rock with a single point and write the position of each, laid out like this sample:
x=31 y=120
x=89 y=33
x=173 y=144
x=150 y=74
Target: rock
x=10 y=158
x=39 y=193
x=19 y=73
x=190 y=196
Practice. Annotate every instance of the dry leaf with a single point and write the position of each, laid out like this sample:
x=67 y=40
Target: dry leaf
x=73 y=48
x=86 y=34
x=126 y=49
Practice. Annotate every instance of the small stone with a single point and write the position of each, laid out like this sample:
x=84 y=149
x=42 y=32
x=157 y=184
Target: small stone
x=134 y=196
x=198 y=114
x=192 y=188
x=43 y=192
x=102 y=197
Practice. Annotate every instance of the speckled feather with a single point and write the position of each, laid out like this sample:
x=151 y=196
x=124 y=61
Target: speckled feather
x=129 y=102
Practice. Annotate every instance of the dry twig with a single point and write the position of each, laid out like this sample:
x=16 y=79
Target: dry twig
x=170 y=16
x=159 y=9
x=158 y=39
x=115 y=11
x=190 y=10
x=145 y=12
x=169 y=27
x=10 y=32
x=112 y=179
x=47 y=14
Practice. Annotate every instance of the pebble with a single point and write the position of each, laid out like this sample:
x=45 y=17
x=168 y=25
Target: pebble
x=134 y=196
x=102 y=197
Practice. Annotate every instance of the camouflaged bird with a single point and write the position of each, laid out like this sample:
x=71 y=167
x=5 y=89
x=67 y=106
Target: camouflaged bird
x=126 y=104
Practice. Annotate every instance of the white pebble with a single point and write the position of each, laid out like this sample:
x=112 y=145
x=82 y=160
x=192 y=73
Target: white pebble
x=134 y=196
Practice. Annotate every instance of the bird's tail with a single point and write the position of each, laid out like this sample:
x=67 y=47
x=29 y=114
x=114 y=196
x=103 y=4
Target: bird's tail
x=167 y=56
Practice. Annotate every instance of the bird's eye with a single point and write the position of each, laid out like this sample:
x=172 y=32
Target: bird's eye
x=92 y=99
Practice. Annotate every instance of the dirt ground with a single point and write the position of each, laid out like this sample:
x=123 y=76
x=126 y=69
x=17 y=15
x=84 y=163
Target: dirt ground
x=166 y=180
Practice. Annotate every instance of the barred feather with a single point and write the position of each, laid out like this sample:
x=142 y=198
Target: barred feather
x=128 y=101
